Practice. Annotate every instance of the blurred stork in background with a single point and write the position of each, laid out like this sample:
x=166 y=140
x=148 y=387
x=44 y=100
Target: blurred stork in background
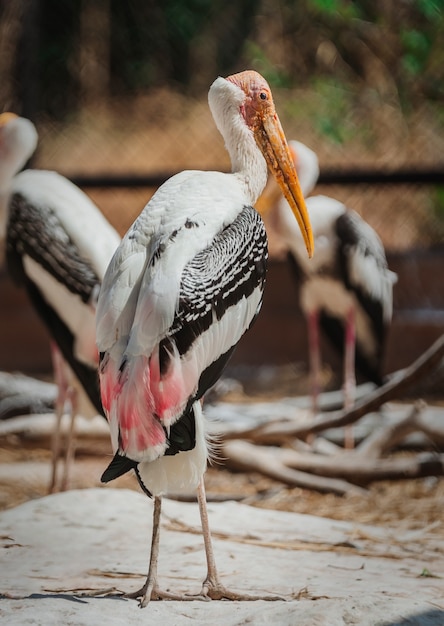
x=346 y=289
x=57 y=245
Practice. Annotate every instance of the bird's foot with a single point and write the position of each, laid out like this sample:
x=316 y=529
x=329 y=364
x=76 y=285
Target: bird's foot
x=152 y=593
x=214 y=590
x=210 y=591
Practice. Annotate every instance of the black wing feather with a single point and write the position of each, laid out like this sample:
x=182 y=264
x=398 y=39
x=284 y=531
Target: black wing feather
x=37 y=233
x=217 y=278
x=351 y=233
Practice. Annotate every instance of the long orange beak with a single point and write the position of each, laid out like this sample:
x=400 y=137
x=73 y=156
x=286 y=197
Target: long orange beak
x=271 y=140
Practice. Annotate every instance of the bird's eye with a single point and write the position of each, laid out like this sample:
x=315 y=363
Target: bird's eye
x=263 y=95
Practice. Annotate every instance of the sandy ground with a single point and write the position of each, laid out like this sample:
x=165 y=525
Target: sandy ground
x=374 y=560
x=69 y=557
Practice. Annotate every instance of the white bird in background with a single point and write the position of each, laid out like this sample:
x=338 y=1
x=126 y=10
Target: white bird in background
x=347 y=288
x=183 y=287
x=58 y=245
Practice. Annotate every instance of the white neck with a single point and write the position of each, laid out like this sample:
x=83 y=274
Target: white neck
x=247 y=162
x=18 y=142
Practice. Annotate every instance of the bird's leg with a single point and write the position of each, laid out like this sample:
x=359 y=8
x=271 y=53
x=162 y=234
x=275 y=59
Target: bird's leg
x=212 y=588
x=314 y=350
x=349 y=372
x=70 y=442
x=150 y=590
x=62 y=385
x=212 y=579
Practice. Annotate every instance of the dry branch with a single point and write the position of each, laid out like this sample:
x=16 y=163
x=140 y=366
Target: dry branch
x=283 y=464
x=22 y=395
x=419 y=419
x=352 y=466
x=244 y=456
x=275 y=432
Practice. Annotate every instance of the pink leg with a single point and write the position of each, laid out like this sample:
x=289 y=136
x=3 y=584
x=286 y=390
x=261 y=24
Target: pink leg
x=349 y=371
x=71 y=440
x=314 y=350
x=62 y=393
x=66 y=395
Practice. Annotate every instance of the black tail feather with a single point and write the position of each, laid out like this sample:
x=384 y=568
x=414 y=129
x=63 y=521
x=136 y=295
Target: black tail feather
x=119 y=465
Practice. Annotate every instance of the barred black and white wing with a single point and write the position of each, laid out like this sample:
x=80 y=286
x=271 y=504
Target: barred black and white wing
x=220 y=296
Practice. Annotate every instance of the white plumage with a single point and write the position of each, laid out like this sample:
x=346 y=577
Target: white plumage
x=182 y=288
x=347 y=286
x=58 y=245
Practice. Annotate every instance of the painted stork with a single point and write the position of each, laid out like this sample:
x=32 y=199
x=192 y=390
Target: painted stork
x=58 y=245
x=181 y=290
x=347 y=288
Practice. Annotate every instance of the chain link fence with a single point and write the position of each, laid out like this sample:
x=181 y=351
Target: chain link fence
x=118 y=91
x=120 y=160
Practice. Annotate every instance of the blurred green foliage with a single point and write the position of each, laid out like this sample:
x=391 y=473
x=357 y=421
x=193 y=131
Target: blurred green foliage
x=393 y=47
